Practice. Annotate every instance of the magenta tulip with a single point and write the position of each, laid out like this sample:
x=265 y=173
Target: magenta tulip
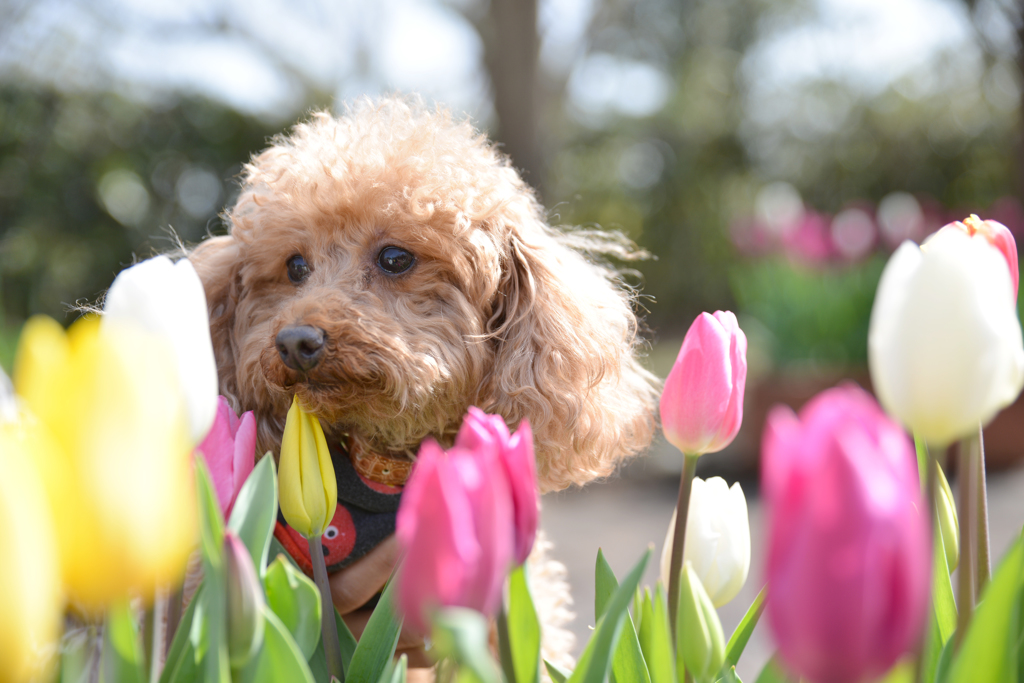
x=230 y=452
x=849 y=559
x=455 y=527
x=702 y=403
x=516 y=454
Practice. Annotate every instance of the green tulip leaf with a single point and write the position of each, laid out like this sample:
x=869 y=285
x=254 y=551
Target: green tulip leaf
x=557 y=673
x=741 y=636
x=729 y=675
x=377 y=645
x=461 y=634
x=255 y=511
x=901 y=672
x=318 y=661
x=280 y=658
x=209 y=627
x=400 y=674
x=294 y=598
x=942 y=619
x=123 y=660
x=628 y=665
x=988 y=652
x=656 y=637
x=180 y=664
x=523 y=629
x=773 y=672
x=211 y=524
x=596 y=661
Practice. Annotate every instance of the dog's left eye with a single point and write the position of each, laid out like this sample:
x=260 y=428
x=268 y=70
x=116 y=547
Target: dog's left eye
x=298 y=269
x=395 y=260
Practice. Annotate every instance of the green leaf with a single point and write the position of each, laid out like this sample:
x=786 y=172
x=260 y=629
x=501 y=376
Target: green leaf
x=255 y=512
x=596 y=660
x=180 y=664
x=211 y=524
x=523 y=629
x=280 y=658
x=318 y=661
x=901 y=672
x=400 y=673
x=605 y=584
x=628 y=665
x=774 y=673
x=557 y=673
x=942 y=619
x=123 y=660
x=461 y=634
x=988 y=650
x=945 y=659
x=729 y=675
x=210 y=627
x=377 y=645
x=294 y=598
x=656 y=638
x=740 y=637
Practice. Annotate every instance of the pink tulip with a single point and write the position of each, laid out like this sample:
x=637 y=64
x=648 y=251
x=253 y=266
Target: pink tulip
x=849 y=559
x=229 y=449
x=996 y=234
x=702 y=404
x=516 y=453
x=455 y=528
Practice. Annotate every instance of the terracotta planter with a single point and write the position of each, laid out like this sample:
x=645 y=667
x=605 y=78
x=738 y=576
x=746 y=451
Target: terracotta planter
x=1004 y=436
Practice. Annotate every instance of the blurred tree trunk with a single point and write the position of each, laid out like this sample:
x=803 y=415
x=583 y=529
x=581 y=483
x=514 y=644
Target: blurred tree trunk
x=511 y=52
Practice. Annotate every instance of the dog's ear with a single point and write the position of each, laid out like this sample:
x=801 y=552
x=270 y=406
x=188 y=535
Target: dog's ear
x=566 y=338
x=217 y=261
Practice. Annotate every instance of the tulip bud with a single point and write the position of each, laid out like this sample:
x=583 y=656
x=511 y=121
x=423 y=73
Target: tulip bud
x=702 y=403
x=168 y=299
x=948 y=525
x=849 y=555
x=717 y=539
x=944 y=343
x=309 y=490
x=700 y=640
x=244 y=602
x=996 y=234
x=516 y=453
x=230 y=453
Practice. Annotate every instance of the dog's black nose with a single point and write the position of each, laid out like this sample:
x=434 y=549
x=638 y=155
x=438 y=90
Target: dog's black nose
x=300 y=346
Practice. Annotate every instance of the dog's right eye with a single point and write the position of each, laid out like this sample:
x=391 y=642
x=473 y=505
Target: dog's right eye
x=298 y=269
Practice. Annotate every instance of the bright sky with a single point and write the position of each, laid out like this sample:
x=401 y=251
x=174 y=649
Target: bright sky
x=350 y=47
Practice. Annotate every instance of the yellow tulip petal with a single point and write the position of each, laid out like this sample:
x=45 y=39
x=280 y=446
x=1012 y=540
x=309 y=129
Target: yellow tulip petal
x=289 y=474
x=308 y=488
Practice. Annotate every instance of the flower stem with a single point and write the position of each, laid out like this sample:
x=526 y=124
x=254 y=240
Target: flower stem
x=154 y=642
x=678 y=539
x=984 y=566
x=328 y=627
x=174 y=605
x=967 y=472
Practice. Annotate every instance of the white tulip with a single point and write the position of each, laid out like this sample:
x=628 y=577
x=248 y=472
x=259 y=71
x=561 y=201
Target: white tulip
x=944 y=345
x=168 y=298
x=717 y=539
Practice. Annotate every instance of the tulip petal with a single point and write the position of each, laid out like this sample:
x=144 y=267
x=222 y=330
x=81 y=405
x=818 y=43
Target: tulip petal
x=521 y=469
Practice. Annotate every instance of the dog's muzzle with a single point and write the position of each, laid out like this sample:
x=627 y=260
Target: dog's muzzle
x=300 y=346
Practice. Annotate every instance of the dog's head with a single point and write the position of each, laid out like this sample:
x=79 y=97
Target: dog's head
x=391 y=268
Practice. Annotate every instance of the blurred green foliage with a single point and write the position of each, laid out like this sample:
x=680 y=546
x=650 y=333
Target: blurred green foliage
x=89 y=182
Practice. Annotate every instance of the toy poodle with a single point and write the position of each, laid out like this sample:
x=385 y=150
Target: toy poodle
x=392 y=268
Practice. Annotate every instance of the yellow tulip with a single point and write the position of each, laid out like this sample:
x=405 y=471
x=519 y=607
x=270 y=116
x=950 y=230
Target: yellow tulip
x=308 y=489
x=30 y=596
x=119 y=481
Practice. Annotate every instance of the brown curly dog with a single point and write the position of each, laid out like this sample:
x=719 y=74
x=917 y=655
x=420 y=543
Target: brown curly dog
x=391 y=268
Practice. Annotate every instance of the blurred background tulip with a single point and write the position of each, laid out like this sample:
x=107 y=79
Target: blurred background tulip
x=516 y=453
x=230 y=452
x=456 y=528
x=31 y=598
x=309 y=489
x=702 y=402
x=945 y=345
x=849 y=558
x=119 y=480
x=168 y=299
x=717 y=539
